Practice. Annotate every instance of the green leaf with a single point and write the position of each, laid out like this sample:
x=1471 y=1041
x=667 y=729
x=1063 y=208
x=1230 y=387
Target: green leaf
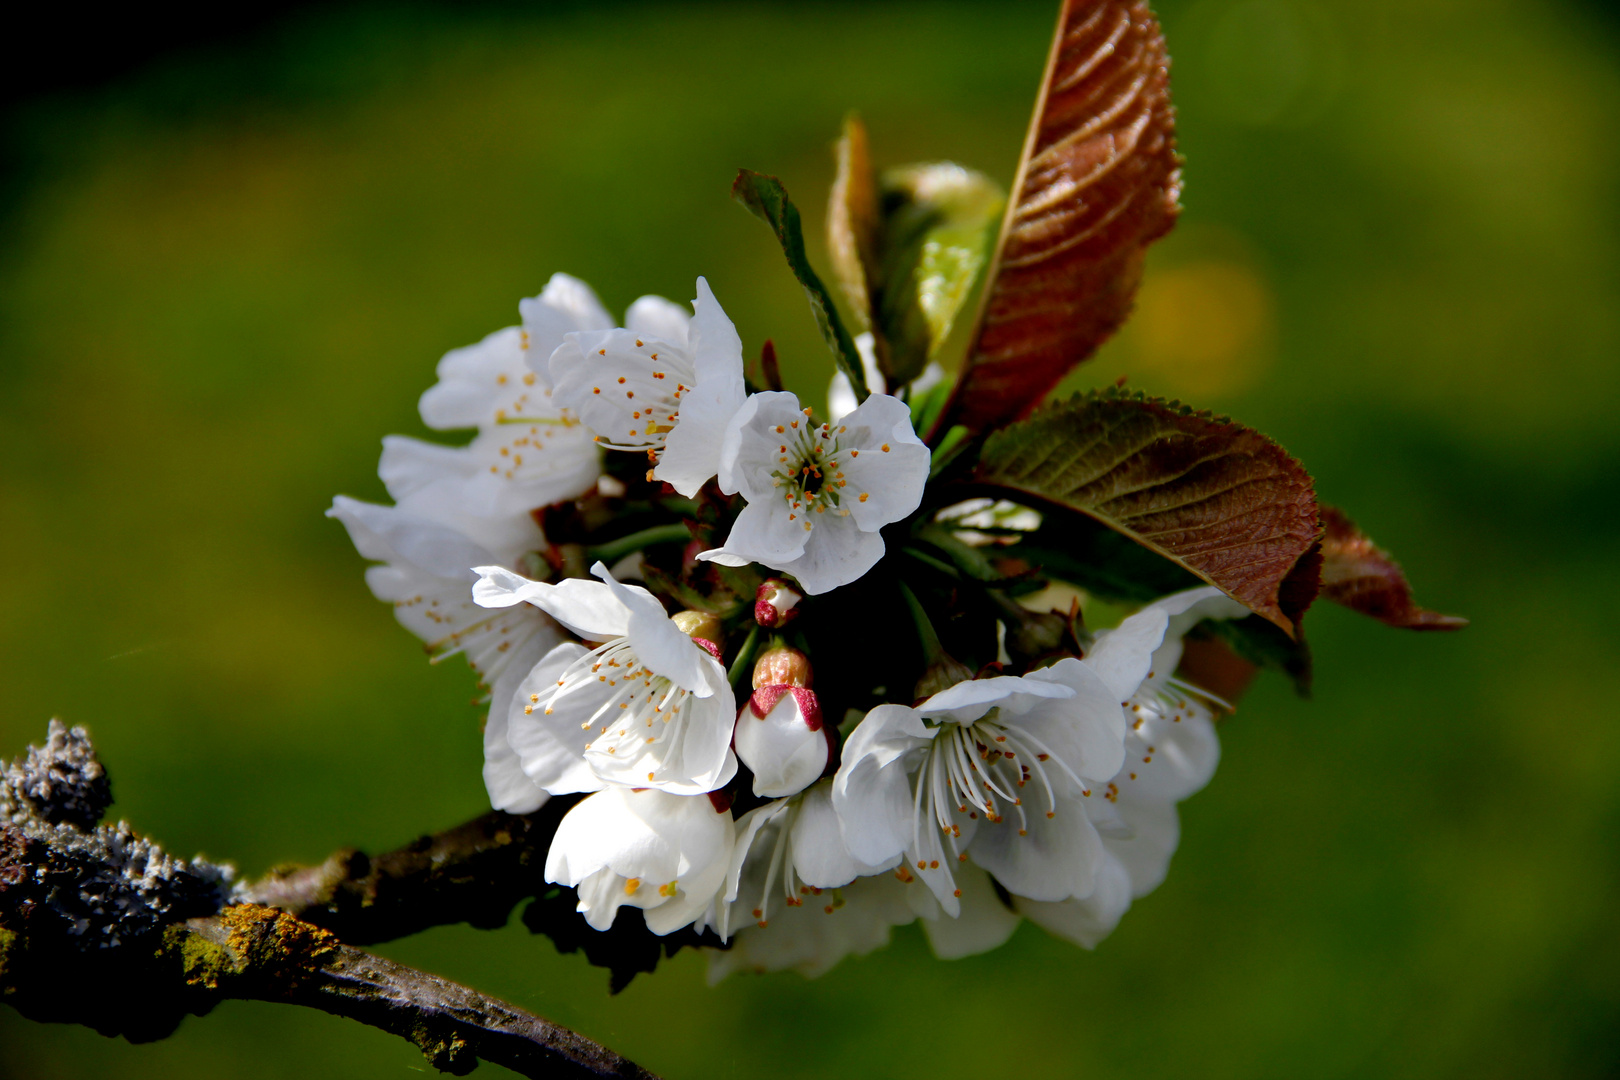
x=926 y=407
x=1213 y=497
x=938 y=223
x=908 y=249
x=768 y=200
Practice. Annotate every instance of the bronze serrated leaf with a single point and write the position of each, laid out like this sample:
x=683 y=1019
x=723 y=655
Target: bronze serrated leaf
x=1217 y=498
x=1098 y=181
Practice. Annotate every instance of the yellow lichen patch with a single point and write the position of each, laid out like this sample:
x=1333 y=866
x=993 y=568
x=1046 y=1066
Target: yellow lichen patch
x=270 y=940
x=203 y=962
x=247 y=940
x=8 y=941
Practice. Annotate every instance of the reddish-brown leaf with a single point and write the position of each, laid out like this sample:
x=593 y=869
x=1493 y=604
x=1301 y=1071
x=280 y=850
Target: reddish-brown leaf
x=1098 y=181
x=1215 y=497
x=1363 y=577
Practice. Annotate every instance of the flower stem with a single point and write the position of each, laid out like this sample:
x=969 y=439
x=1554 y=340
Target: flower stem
x=614 y=550
x=743 y=664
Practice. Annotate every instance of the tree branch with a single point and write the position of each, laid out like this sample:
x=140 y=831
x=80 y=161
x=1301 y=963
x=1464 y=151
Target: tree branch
x=100 y=927
x=474 y=873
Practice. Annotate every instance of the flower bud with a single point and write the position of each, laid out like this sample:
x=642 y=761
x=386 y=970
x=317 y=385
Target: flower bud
x=782 y=666
x=701 y=626
x=776 y=603
x=781 y=738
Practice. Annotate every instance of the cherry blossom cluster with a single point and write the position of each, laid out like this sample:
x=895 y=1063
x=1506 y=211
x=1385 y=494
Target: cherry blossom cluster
x=672 y=697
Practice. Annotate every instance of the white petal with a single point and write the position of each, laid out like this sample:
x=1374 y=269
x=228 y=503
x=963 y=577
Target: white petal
x=715 y=347
x=969 y=700
x=648 y=837
x=509 y=788
x=1056 y=858
x=549 y=745
x=623 y=387
x=386 y=534
x=1118 y=654
x=750 y=454
x=1087 y=731
x=566 y=305
x=870 y=790
x=763 y=532
x=1086 y=921
x=692 y=451
x=653 y=316
x=811 y=939
x=1123 y=656
x=700 y=760
x=476 y=380
x=1155 y=832
x=1167 y=760
x=836 y=553
x=588 y=608
x=721 y=918
x=515 y=468
x=985 y=923
x=891 y=479
x=781 y=750
x=440 y=484
x=820 y=857
x=409 y=465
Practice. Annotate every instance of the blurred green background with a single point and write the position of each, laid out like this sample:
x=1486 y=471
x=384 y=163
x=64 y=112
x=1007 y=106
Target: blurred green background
x=225 y=275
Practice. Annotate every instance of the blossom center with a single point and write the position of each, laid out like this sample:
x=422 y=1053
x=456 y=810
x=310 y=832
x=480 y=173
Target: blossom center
x=647 y=386
x=982 y=769
x=642 y=709
x=809 y=468
x=1154 y=711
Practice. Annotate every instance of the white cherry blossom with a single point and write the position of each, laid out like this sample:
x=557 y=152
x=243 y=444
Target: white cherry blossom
x=426 y=573
x=818 y=494
x=1003 y=767
x=667 y=854
x=527 y=452
x=650 y=707
x=1171 y=748
x=1170 y=753
x=644 y=388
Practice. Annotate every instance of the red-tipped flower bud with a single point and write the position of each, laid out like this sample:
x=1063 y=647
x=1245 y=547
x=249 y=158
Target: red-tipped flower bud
x=779 y=733
x=703 y=628
x=781 y=738
x=776 y=603
x=781 y=666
